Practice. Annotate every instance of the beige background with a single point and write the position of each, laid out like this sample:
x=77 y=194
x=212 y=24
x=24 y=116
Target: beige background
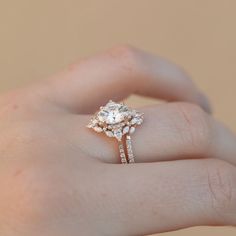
x=38 y=38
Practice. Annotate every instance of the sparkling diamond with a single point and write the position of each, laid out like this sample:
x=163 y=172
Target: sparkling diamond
x=134 y=121
x=92 y=123
x=109 y=134
x=118 y=134
x=139 y=122
x=126 y=130
x=113 y=113
x=98 y=129
x=132 y=129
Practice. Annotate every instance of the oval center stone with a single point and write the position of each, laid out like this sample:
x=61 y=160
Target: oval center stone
x=114 y=117
x=112 y=113
x=111 y=116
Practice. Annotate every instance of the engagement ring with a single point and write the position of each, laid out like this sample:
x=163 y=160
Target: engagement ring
x=118 y=121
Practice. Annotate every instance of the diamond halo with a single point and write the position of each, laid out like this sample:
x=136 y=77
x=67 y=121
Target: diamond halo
x=116 y=120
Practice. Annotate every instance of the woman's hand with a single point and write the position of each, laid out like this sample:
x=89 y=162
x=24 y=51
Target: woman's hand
x=59 y=178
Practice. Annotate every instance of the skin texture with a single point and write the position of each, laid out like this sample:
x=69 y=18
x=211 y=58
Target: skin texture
x=59 y=178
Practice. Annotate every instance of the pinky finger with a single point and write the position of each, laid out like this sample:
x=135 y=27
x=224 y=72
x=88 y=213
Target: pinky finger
x=160 y=197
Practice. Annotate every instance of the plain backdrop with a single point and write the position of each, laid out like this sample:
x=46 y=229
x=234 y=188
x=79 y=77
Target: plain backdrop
x=38 y=38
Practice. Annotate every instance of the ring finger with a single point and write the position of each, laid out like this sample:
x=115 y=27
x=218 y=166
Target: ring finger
x=170 y=131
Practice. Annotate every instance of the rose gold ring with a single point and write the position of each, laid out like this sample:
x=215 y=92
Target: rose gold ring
x=118 y=121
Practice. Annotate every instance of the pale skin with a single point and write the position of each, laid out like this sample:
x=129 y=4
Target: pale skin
x=59 y=178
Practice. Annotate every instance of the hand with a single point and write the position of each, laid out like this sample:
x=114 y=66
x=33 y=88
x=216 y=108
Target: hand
x=59 y=178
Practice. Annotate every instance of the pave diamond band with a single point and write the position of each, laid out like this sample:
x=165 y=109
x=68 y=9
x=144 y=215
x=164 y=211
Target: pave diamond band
x=129 y=149
x=118 y=121
x=122 y=153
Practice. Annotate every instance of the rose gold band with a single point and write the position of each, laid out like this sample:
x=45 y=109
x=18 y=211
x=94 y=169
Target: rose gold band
x=130 y=156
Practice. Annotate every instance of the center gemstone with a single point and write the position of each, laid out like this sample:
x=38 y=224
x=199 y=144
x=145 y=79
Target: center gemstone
x=112 y=113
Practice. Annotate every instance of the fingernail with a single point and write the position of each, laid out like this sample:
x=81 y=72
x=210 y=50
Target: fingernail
x=205 y=103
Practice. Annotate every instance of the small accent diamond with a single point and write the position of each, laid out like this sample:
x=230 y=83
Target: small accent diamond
x=98 y=129
x=126 y=130
x=118 y=134
x=109 y=134
x=132 y=129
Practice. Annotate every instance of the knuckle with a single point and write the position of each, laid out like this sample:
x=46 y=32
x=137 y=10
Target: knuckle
x=126 y=56
x=194 y=125
x=221 y=177
x=122 y=51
